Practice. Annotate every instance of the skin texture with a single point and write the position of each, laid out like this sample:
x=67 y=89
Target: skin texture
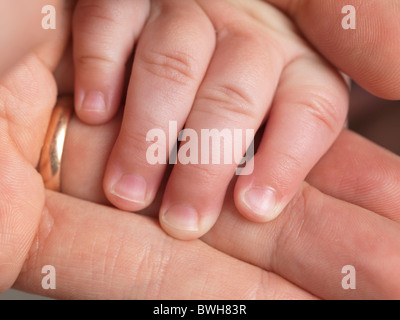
x=24 y=112
x=216 y=65
x=106 y=253
x=97 y=250
x=28 y=14
x=369 y=54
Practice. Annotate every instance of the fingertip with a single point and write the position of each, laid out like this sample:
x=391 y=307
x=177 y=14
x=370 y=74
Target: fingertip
x=184 y=222
x=129 y=192
x=96 y=106
x=91 y=106
x=257 y=202
x=180 y=221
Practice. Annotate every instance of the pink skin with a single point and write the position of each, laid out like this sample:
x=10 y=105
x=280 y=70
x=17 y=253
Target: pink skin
x=343 y=215
x=40 y=227
x=206 y=65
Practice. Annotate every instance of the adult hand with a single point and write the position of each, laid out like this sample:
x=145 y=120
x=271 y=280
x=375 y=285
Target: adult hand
x=217 y=66
x=104 y=253
x=369 y=53
x=124 y=258
x=22 y=33
x=27 y=96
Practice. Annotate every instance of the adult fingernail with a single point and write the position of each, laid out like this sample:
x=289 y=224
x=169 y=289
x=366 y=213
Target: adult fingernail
x=94 y=101
x=130 y=187
x=181 y=217
x=261 y=201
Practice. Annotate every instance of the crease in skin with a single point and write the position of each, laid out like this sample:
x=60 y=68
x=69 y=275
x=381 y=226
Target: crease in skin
x=293 y=232
x=105 y=272
x=23 y=185
x=288 y=231
x=19 y=213
x=44 y=230
x=298 y=234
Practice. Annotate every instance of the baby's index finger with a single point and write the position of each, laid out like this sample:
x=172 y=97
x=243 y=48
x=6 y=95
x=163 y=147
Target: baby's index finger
x=171 y=59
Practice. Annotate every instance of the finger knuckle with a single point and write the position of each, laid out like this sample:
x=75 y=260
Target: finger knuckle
x=92 y=59
x=178 y=67
x=262 y=287
x=136 y=141
x=94 y=11
x=133 y=138
x=153 y=263
x=228 y=102
x=324 y=111
x=205 y=173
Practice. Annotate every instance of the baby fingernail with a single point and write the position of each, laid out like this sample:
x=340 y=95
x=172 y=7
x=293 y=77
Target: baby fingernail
x=261 y=201
x=94 y=101
x=181 y=217
x=130 y=187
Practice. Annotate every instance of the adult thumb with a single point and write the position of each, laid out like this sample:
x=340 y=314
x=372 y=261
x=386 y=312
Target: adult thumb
x=361 y=38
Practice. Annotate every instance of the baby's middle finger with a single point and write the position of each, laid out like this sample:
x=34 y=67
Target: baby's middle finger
x=230 y=106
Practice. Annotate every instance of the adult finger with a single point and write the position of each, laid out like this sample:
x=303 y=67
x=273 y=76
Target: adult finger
x=104 y=253
x=170 y=61
x=315 y=242
x=23 y=120
x=104 y=36
x=25 y=109
x=368 y=53
x=82 y=177
x=315 y=237
x=361 y=173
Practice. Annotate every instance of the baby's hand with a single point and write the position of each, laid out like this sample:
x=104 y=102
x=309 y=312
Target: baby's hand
x=204 y=64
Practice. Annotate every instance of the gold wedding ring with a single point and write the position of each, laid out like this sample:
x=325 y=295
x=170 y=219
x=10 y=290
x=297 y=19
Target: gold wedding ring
x=51 y=155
